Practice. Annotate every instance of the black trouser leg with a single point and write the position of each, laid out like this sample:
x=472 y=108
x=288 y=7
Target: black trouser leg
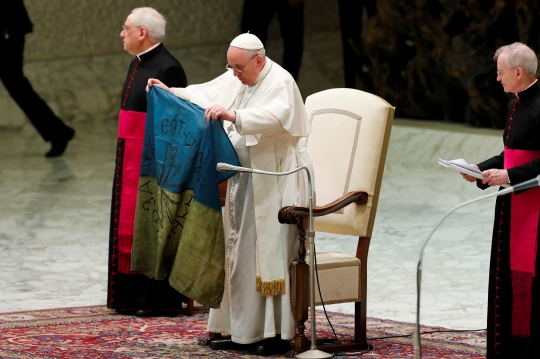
x=44 y=120
x=256 y=17
x=350 y=15
x=291 y=21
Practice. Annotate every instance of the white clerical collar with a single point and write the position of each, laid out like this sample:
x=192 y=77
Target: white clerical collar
x=264 y=71
x=148 y=50
x=517 y=95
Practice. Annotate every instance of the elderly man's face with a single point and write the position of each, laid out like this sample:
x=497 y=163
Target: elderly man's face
x=250 y=68
x=131 y=35
x=507 y=75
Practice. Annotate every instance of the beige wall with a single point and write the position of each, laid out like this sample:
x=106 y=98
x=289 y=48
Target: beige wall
x=64 y=28
x=75 y=60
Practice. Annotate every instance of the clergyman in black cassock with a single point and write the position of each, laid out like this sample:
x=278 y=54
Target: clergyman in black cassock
x=129 y=291
x=513 y=318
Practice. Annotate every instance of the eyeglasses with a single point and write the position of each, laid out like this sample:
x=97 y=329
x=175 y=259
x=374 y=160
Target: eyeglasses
x=239 y=69
x=126 y=28
x=502 y=73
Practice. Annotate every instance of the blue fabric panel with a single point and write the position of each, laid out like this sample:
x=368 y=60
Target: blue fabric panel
x=181 y=149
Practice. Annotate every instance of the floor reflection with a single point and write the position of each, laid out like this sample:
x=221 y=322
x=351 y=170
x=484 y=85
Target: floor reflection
x=54 y=225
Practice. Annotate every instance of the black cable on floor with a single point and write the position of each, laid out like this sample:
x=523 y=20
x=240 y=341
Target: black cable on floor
x=362 y=352
x=370 y=347
x=430 y=332
x=322 y=301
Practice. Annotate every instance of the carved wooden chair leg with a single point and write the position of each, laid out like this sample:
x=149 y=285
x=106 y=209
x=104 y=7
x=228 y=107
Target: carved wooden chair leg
x=360 y=307
x=189 y=307
x=302 y=289
x=301 y=310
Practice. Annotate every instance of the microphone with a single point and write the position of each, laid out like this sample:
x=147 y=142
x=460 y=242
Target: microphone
x=225 y=167
x=527 y=184
x=313 y=352
x=519 y=187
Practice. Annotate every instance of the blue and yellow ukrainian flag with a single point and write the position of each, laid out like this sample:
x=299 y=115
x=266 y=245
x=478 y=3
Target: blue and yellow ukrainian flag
x=178 y=222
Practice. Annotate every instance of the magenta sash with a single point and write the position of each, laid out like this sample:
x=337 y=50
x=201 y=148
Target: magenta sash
x=131 y=128
x=524 y=216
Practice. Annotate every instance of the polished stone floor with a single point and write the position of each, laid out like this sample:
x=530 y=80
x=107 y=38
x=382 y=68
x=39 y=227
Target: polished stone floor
x=54 y=224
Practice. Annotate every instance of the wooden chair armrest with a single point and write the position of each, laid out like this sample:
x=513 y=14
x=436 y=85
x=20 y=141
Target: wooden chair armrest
x=293 y=214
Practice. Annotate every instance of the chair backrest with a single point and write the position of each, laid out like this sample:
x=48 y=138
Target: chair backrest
x=348 y=143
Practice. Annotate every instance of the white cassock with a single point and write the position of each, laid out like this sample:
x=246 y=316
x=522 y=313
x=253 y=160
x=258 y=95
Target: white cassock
x=268 y=135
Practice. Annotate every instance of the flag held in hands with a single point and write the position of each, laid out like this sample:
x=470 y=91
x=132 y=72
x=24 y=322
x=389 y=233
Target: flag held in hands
x=178 y=222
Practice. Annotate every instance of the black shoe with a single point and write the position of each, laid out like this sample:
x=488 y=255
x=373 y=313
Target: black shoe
x=228 y=344
x=141 y=313
x=58 y=145
x=124 y=311
x=273 y=346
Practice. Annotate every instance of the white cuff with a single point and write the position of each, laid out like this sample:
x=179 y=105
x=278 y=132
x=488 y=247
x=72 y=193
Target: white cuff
x=181 y=92
x=238 y=123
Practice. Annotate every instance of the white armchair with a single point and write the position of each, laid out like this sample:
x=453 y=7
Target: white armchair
x=348 y=144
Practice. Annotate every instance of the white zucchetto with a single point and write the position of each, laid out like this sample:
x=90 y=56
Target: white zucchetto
x=247 y=42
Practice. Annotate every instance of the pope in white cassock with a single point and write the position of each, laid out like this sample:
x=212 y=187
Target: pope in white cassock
x=264 y=116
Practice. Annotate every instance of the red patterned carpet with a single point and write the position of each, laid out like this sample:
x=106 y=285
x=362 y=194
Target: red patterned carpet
x=97 y=332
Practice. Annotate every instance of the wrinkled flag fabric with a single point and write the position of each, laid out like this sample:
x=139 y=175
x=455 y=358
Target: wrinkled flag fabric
x=178 y=221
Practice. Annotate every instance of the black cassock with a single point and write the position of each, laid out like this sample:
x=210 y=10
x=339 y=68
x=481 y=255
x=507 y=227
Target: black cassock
x=128 y=291
x=521 y=133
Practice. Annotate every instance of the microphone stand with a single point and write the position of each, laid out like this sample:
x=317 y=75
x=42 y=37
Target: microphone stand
x=313 y=352
x=519 y=187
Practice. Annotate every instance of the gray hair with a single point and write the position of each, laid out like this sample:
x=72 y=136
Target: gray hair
x=253 y=53
x=519 y=55
x=152 y=20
